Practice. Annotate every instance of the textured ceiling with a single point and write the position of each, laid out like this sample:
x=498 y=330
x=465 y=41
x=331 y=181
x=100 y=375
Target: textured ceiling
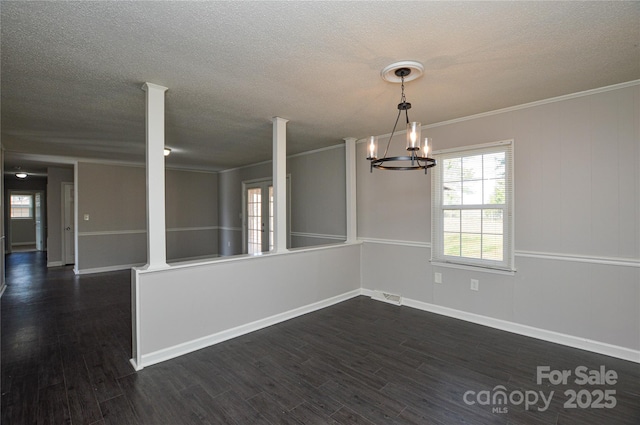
x=72 y=72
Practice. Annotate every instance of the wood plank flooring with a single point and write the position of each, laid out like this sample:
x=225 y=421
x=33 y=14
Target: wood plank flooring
x=66 y=349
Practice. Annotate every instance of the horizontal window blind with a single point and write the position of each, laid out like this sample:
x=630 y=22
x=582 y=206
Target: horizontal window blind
x=21 y=206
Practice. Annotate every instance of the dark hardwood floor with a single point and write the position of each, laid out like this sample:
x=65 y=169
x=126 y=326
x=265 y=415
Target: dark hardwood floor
x=66 y=349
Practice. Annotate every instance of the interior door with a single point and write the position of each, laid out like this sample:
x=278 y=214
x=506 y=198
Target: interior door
x=68 y=218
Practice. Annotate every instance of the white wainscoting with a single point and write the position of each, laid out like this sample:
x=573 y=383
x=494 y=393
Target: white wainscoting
x=95 y=238
x=199 y=343
x=595 y=318
x=219 y=299
x=542 y=334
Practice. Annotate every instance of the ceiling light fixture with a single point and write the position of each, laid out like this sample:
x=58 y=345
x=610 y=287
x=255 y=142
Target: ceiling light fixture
x=417 y=159
x=167 y=151
x=21 y=175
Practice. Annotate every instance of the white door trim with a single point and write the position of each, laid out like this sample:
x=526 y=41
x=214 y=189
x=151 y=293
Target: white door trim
x=63 y=234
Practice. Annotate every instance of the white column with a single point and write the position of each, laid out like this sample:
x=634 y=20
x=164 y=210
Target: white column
x=156 y=236
x=280 y=184
x=352 y=217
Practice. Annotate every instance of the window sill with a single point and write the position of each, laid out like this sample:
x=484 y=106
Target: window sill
x=474 y=268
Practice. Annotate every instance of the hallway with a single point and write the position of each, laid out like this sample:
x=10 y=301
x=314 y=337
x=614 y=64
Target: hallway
x=65 y=340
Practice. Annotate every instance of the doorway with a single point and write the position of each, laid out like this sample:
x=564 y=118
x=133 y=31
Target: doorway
x=68 y=224
x=27 y=227
x=259 y=214
x=258 y=225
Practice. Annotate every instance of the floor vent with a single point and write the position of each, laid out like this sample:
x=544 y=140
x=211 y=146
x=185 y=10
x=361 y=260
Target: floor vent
x=387 y=297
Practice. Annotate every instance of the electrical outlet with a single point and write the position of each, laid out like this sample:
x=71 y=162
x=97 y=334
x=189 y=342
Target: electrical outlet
x=437 y=277
x=475 y=285
x=86 y=217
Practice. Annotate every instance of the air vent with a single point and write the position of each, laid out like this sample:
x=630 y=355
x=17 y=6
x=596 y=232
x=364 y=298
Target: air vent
x=387 y=297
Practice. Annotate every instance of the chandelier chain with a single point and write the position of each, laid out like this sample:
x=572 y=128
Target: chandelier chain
x=403 y=100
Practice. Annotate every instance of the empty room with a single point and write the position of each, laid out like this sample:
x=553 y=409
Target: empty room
x=332 y=212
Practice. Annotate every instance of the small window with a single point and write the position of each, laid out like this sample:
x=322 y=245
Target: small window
x=472 y=210
x=21 y=206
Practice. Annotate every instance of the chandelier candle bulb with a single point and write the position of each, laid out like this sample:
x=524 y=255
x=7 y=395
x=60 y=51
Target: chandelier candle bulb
x=425 y=148
x=413 y=136
x=373 y=147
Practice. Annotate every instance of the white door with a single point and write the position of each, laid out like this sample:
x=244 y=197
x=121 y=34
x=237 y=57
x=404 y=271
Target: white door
x=259 y=217
x=68 y=220
x=38 y=222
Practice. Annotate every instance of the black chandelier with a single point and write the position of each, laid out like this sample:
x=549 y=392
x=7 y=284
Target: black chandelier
x=418 y=150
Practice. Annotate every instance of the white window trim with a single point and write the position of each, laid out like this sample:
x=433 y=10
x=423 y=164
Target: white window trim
x=472 y=264
x=32 y=212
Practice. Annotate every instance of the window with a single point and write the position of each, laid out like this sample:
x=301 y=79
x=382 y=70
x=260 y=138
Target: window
x=472 y=210
x=22 y=206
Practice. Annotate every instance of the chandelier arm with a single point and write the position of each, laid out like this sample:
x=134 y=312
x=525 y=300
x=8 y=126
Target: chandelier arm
x=392 y=133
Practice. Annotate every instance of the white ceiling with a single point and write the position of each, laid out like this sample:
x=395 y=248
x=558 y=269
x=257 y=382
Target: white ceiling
x=72 y=71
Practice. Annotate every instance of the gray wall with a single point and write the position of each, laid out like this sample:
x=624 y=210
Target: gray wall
x=191 y=200
x=55 y=177
x=318 y=199
x=23 y=231
x=230 y=204
x=114 y=197
x=577 y=215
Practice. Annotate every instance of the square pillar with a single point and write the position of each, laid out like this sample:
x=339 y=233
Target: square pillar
x=352 y=217
x=156 y=227
x=280 y=184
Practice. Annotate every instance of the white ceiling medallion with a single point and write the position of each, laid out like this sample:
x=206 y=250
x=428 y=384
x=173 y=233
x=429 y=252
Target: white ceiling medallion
x=389 y=74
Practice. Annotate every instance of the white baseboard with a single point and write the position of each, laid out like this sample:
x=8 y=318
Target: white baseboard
x=55 y=264
x=135 y=365
x=107 y=269
x=530 y=331
x=197 y=344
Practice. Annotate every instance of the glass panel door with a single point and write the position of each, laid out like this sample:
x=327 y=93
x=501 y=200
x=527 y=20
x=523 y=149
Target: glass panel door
x=254 y=220
x=259 y=213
